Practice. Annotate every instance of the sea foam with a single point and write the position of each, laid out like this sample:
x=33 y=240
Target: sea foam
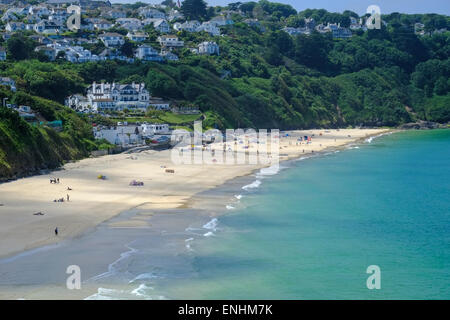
x=211 y=225
x=253 y=185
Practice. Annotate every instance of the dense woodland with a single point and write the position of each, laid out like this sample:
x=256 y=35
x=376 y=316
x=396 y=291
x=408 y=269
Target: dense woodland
x=263 y=78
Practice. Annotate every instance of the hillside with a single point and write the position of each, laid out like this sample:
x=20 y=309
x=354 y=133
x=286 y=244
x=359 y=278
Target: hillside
x=26 y=149
x=262 y=78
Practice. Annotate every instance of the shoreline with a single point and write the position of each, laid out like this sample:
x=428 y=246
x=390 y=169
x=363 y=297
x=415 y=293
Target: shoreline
x=81 y=225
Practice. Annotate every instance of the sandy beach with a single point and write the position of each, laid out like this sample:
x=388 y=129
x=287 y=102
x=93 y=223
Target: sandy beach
x=93 y=200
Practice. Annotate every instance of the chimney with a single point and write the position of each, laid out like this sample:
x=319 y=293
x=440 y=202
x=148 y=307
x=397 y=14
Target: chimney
x=93 y=87
x=102 y=87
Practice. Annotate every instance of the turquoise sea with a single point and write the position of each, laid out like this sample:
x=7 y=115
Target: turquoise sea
x=311 y=231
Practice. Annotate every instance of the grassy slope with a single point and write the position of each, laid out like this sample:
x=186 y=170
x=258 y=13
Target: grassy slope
x=26 y=148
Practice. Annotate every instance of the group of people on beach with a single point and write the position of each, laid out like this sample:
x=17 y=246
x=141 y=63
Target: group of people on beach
x=62 y=199
x=56 y=181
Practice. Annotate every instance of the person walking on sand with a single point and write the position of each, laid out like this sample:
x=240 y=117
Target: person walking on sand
x=56 y=231
x=68 y=198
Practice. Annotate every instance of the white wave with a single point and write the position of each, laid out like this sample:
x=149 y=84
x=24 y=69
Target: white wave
x=115 y=294
x=370 y=139
x=269 y=171
x=238 y=196
x=144 y=276
x=230 y=207
x=300 y=159
x=188 y=245
x=141 y=291
x=208 y=234
x=106 y=294
x=211 y=225
x=253 y=185
x=113 y=267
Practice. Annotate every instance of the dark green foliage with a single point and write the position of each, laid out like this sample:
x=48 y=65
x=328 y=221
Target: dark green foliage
x=20 y=47
x=437 y=109
x=277 y=9
x=194 y=9
x=26 y=148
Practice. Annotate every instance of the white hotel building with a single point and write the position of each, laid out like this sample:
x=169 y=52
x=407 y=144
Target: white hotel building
x=111 y=97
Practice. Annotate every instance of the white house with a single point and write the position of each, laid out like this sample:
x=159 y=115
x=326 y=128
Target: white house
x=114 y=54
x=170 y=41
x=58 y=16
x=295 y=31
x=151 y=13
x=79 y=103
x=112 y=39
x=120 y=135
x=189 y=26
x=119 y=92
x=149 y=130
x=208 y=48
x=162 y=26
x=39 y=11
x=147 y=53
x=122 y=21
x=47 y=27
x=137 y=37
x=210 y=28
x=131 y=26
x=101 y=24
x=15 y=26
x=116 y=14
x=337 y=31
x=159 y=104
x=49 y=52
x=111 y=97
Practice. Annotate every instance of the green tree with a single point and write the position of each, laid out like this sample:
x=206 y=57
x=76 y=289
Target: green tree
x=248 y=7
x=168 y=3
x=194 y=9
x=312 y=50
x=20 y=47
x=128 y=48
x=441 y=86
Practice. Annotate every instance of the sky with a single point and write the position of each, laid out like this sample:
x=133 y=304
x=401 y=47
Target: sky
x=358 y=6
